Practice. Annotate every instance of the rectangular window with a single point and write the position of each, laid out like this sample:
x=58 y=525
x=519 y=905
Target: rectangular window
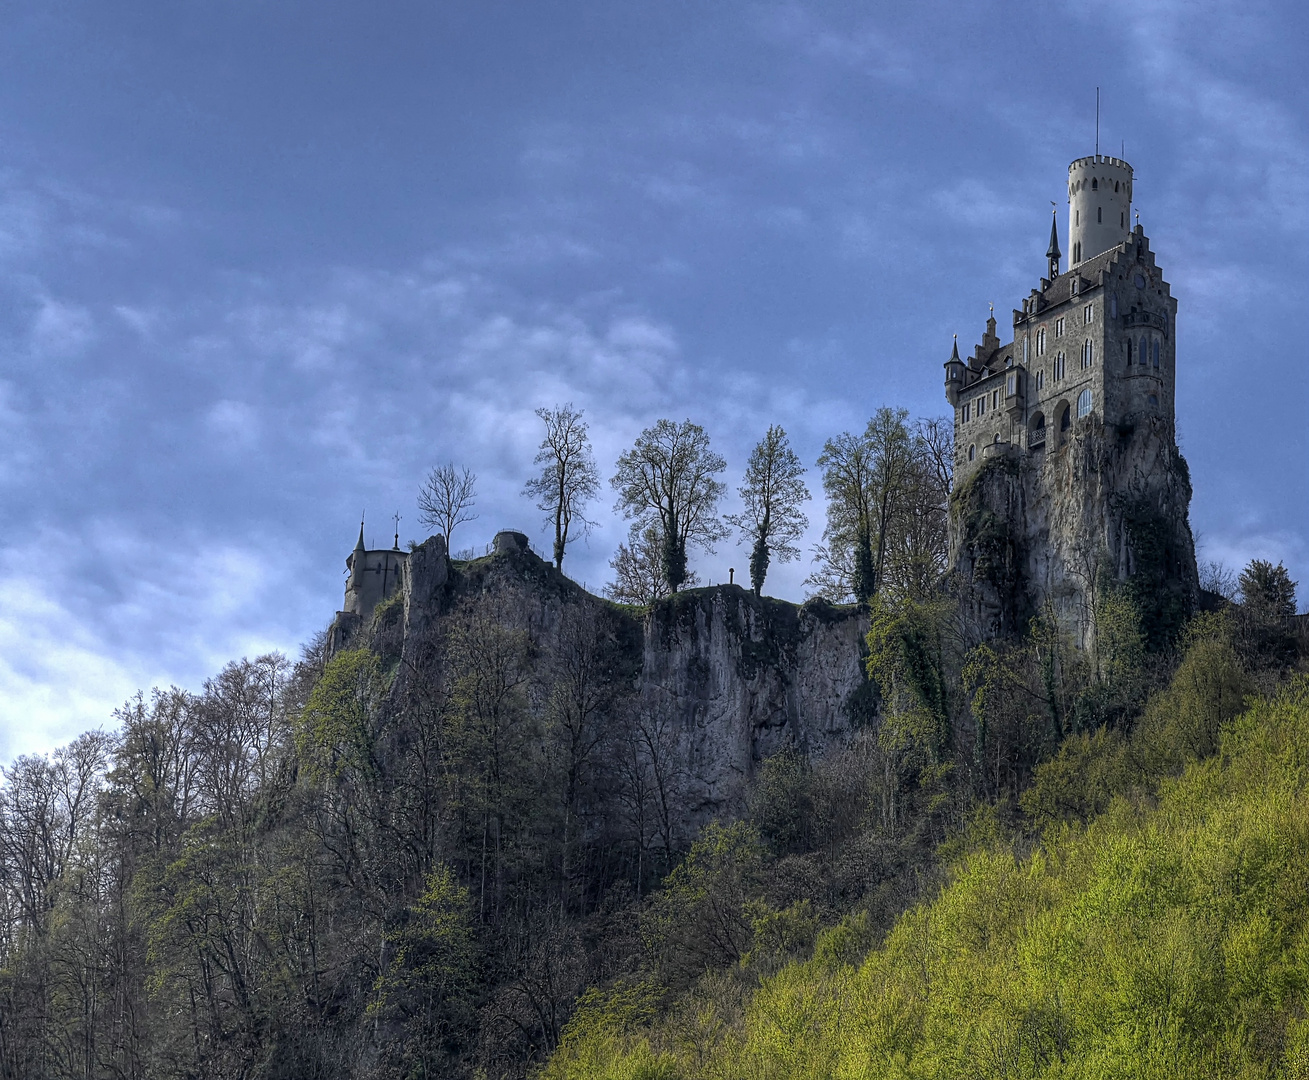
x=1086 y=313
x=1059 y=370
x=1040 y=379
x=1040 y=342
x=966 y=409
x=1059 y=327
x=1011 y=386
x=995 y=399
x=981 y=407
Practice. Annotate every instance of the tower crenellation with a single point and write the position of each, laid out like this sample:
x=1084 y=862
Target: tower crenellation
x=1099 y=205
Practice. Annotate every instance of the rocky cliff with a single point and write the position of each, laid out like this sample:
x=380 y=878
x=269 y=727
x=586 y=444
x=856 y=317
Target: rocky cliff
x=717 y=678
x=1105 y=504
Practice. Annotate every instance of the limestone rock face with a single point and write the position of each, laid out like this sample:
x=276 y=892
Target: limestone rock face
x=714 y=680
x=741 y=678
x=1102 y=504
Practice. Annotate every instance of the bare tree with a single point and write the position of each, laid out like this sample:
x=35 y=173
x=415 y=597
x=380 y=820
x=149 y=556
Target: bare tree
x=668 y=479
x=568 y=479
x=639 y=570
x=773 y=493
x=885 y=507
x=445 y=499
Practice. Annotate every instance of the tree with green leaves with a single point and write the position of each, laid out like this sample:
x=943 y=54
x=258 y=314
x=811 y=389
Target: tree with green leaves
x=568 y=479
x=1267 y=591
x=1267 y=610
x=773 y=493
x=669 y=479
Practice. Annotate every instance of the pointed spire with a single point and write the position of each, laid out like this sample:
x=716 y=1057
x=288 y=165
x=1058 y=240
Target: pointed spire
x=360 y=545
x=1052 y=253
x=954 y=353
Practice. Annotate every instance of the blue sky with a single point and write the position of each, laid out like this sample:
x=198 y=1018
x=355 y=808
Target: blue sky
x=264 y=264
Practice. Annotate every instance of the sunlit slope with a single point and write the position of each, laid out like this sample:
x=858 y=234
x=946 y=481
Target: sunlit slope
x=1164 y=940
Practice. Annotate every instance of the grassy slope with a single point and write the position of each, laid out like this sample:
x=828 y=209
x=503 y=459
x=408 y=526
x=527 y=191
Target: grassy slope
x=1166 y=939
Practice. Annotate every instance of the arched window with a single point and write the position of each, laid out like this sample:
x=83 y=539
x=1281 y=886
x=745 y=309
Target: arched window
x=1144 y=354
x=1095 y=184
x=1129 y=352
x=1154 y=401
x=1083 y=404
x=1115 y=185
x=1156 y=353
x=972 y=452
x=1099 y=215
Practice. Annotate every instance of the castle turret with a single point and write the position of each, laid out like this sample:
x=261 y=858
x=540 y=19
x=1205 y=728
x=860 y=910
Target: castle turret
x=954 y=374
x=1052 y=253
x=1099 y=205
x=374 y=575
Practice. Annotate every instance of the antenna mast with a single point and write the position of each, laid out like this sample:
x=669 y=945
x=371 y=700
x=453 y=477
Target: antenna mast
x=1097 y=121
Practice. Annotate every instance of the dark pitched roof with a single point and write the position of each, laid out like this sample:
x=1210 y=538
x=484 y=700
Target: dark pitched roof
x=1062 y=287
x=1053 y=252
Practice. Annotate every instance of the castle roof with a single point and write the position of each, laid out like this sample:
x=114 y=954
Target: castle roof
x=1061 y=288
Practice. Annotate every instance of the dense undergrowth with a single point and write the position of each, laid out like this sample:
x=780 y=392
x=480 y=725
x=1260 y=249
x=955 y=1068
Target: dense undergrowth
x=1145 y=913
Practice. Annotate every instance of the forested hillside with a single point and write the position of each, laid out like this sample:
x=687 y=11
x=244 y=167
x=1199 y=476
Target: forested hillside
x=483 y=862
x=1167 y=937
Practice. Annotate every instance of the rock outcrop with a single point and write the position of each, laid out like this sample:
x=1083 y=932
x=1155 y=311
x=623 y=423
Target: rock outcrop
x=720 y=678
x=1103 y=505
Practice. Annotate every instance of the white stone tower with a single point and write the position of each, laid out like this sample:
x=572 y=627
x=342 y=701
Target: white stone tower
x=1099 y=206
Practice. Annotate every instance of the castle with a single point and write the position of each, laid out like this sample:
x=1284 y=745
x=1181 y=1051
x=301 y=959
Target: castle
x=1076 y=411
x=1096 y=340
x=1067 y=470
x=372 y=576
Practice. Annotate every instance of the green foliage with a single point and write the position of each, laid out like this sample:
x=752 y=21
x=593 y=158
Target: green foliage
x=335 y=733
x=1267 y=606
x=425 y=992
x=906 y=659
x=1156 y=942
x=1180 y=724
x=703 y=916
x=1267 y=591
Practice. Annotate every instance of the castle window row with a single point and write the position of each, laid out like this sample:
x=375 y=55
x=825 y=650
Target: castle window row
x=1145 y=352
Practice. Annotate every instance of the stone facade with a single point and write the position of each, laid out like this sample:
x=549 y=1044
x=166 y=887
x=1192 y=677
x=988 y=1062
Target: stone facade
x=1078 y=406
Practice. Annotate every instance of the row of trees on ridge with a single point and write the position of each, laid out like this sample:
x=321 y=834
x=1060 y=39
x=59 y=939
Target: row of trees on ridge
x=887 y=488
